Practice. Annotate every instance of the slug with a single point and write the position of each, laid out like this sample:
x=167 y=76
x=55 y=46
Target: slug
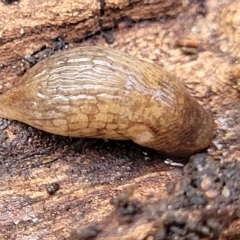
x=99 y=92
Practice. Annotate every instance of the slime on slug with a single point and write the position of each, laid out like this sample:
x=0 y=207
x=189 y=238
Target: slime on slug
x=99 y=92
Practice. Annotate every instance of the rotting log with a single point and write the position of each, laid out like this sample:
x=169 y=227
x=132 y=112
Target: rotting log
x=28 y=26
x=90 y=172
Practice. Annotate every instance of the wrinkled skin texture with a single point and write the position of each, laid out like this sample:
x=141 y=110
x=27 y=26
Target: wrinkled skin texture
x=99 y=92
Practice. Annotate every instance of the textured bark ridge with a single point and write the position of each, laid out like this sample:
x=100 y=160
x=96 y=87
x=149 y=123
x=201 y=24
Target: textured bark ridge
x=28 y=26
x=52 y=186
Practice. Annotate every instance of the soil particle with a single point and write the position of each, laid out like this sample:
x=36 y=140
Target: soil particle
x=86 y=234
x=188 y=213
x=195 y=214
x=52 y=188
x=126 y=206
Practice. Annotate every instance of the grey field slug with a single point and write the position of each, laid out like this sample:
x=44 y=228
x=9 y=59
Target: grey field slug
x=99 y=92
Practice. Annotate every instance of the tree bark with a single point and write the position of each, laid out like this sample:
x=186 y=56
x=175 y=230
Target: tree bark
x=92 y=172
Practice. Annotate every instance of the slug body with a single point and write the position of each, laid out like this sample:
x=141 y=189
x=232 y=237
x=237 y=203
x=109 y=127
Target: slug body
x=99 y=92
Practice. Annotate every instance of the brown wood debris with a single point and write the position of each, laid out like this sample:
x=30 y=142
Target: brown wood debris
x=28 y=26
x=90 y=173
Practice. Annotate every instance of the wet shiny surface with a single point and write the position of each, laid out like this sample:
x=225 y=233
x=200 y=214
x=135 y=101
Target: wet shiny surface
x=103 y=93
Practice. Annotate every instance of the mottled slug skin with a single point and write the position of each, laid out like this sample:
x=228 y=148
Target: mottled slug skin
x=99 y=92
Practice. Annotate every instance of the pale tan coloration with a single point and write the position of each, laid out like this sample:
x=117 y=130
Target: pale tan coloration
x=99 y=92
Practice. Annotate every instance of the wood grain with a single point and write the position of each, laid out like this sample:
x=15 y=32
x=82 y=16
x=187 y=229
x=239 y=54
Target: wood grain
x=89 y=172
x=27 y=26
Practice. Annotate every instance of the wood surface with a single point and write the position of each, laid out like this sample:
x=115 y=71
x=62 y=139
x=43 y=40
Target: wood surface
x=91 y=172
x=28 y=26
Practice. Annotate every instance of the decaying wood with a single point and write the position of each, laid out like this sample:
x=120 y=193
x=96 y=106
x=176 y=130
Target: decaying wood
x=90 y=173
x=28 y=26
